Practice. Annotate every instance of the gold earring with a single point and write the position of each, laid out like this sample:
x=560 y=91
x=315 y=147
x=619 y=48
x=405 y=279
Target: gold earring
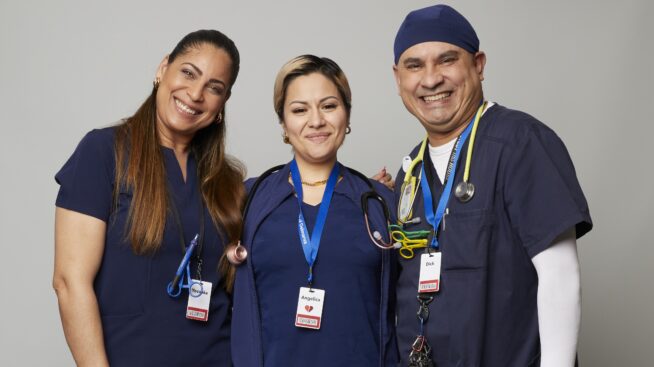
x=155 y=83
x=348 y=129
x=285 y=138
x=219 y=117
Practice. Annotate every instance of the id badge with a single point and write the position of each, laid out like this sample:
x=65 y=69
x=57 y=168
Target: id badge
x=309 y=308
x=405 y=199
x=198 y=301
x=430 y=272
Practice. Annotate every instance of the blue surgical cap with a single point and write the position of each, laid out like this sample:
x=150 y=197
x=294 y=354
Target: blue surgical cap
x=439 y=23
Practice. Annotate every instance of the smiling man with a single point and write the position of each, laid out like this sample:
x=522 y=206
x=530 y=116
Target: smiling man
x=492 y=207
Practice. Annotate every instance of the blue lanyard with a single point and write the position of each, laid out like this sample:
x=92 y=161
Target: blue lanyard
x=310 y=244
x=435 y=220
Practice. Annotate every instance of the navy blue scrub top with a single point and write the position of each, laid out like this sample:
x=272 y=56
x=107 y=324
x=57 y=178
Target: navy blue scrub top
x=142 y=325
x=527 y=194
x=348 y=268
x=357 y=321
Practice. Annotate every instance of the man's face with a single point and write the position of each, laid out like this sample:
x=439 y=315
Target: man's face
x=440 y=84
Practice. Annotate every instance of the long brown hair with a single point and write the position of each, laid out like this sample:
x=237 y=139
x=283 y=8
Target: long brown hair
x=140 y=167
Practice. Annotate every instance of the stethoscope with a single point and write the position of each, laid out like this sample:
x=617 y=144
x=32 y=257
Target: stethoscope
x=236 y=254
x=464 y=192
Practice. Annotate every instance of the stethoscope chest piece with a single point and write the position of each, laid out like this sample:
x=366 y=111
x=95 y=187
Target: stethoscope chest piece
x=464 y=191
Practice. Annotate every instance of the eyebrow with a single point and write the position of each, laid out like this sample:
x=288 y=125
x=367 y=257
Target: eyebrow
x=321 y=101
x=197 y=70
x=449 y=53
x=411 y=60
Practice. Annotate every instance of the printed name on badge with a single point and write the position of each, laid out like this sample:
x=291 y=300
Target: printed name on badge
x=430 y=272
x=198 y=301
x=309 y=308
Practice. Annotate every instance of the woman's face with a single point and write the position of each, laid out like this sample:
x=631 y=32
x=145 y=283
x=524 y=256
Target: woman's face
x=192 y=91
x=314 y=118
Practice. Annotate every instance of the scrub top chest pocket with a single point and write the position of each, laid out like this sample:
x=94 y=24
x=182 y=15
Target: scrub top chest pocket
x=467 y=228
x=466 y=239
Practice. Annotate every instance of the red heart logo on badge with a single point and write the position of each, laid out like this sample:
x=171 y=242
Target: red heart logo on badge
x=308 y=308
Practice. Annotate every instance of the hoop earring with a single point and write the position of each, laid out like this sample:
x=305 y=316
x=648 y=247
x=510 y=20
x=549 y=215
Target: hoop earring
x=348 y=130
x=285 y=138
x=155 y=83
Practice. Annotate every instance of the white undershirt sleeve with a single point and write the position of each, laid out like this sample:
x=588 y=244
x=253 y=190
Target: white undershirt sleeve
x=559 y=301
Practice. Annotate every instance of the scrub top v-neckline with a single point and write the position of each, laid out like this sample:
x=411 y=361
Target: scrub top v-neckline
x=181 y=177
x=142 y=325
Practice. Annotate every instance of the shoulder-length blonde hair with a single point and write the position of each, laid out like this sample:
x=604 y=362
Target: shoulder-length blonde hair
x=305 y=65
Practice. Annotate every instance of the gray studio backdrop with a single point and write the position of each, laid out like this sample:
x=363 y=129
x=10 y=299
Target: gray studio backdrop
x=582 y=67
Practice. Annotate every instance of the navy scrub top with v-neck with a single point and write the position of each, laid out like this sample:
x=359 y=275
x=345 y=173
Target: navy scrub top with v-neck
x=358 y=320
x=526 y=194
x=348 y=268
x=142 y=325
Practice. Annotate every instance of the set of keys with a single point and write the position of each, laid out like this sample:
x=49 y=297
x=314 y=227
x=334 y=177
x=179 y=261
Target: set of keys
x=420 y=355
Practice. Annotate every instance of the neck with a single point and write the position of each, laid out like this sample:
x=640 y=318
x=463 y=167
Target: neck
x=180 y=146
x=311 y=172
x=179 y=143
x=437 y=139
x=315 y=171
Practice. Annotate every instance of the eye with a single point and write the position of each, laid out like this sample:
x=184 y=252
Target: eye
x=329 y=106
x=448 y=60
x=188 y=73
x=217 y=89
x=413 y=66
x=298 y=110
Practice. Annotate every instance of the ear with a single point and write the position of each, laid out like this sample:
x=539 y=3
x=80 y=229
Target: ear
x=480 y=62
x=163 y=66
x=396 y=73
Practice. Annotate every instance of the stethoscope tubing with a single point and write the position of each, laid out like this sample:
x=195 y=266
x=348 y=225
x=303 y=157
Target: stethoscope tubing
x=464 y=190
x=238 y=253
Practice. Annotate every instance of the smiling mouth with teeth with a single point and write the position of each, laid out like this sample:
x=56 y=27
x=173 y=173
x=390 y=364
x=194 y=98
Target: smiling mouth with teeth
x=185 y=108
x=436 y=97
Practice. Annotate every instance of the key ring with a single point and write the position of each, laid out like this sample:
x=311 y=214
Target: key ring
x=193 y=289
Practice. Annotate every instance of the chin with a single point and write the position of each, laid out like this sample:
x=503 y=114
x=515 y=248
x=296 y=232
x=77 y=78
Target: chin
x=320 y=158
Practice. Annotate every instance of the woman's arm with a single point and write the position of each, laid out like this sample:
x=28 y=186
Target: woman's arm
x=79 y=245
x=559 y=301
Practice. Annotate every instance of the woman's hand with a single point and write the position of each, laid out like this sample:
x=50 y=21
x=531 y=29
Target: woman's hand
x=79 y=245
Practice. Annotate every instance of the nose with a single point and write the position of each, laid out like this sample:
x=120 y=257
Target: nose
x=195 y=92
x=316 y=118
x=432 y=77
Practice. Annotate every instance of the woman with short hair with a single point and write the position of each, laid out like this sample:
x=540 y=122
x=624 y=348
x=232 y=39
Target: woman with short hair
x=314 y=289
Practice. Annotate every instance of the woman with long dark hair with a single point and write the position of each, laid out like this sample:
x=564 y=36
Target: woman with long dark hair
x=138 y=198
